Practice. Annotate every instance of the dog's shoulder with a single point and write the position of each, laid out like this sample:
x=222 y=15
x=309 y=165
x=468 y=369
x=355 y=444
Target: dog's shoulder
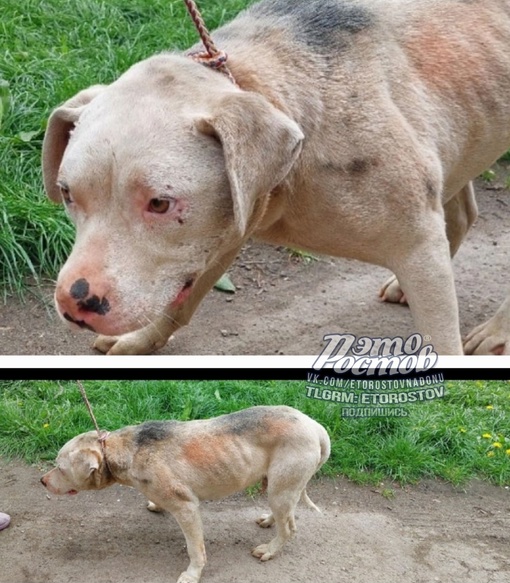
x=150 y=432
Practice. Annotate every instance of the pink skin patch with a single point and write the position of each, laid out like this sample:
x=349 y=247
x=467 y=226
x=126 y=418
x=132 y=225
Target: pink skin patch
x=183 y=295
x=72 y=492
x=499 y=350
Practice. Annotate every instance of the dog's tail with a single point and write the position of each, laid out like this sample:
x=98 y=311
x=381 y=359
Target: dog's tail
x=325 y=445
x=325 y=450
x=306 y=499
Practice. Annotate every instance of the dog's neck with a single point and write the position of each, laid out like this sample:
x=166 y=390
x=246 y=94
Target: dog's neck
x=115 y=466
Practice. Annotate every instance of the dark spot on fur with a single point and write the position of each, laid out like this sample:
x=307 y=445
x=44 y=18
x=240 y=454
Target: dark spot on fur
x=180 y=220
x=254 y=419
x=319 y=23
x=79 y=323
x=431 y=189
x=94 y=304
x=188 y=284
x=152 y=431
x=241 y=422
x=358 y=166
x=80 y=289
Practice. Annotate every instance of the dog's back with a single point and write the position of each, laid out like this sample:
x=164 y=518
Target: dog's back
x=443 y=65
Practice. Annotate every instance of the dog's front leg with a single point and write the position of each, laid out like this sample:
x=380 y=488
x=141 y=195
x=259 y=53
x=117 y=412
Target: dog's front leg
x=493 y=337
x=188 y=518
x=425 y=272
x=460 y=212
x=156 y=334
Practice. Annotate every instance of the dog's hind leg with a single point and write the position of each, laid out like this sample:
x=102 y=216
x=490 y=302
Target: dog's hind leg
x=283 y=504
x=287 y=479
x=461 y=212
x=267 y=520
x=154 y=507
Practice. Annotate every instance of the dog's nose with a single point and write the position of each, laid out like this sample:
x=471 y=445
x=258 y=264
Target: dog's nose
x=43 y=481
x=81 y=303
x=87 y=302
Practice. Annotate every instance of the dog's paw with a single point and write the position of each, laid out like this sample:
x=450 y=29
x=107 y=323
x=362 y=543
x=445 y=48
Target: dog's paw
x=265 y=521
x=488 y=338
x=105 y=343
x=137 y=342
x=392 y=292
x=187 y=578
x=262 y=553
x=154 y=507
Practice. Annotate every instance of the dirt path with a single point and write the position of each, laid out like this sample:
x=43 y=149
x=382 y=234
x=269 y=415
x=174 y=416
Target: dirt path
x=425 y=534
x=284 y=306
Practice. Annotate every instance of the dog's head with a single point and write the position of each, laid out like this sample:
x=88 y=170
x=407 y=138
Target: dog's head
x=79 y=466
x=162 y=173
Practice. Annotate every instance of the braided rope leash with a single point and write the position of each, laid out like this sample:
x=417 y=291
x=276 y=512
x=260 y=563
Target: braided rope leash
x=211 y=57
x=101 y=435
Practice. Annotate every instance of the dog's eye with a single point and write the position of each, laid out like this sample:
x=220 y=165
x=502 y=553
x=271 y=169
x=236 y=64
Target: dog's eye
x=161 y=206
x=66 y=195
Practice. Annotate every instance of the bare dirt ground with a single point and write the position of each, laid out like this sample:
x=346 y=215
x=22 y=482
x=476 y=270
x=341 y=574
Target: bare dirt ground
x=286 y=306
x=429 y=533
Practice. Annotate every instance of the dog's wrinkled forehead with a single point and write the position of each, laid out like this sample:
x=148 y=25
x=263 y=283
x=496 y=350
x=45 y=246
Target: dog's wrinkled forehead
x=80 y=441
x=125 y=135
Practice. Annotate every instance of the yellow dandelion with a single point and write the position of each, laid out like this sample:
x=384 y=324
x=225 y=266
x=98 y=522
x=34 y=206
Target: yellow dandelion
x=490 y=454
x=497 y=444
x=490 y=407
x=462 y=429
x=46 y=425
x=508 y=451
x=487 y=436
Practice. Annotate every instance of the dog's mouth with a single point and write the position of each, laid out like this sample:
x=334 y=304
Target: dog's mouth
x=72 y=492
x=80 y=323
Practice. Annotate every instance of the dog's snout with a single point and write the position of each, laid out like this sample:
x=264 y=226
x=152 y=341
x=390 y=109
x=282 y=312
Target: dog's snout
x=43 y=481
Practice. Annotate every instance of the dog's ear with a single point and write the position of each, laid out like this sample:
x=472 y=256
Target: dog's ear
x=60 y=125
x=95 y=458
x=86 y=460
x=260 y=145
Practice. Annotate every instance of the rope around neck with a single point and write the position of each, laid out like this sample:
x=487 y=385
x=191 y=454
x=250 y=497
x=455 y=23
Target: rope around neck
x=211 y=57
x=101 y=435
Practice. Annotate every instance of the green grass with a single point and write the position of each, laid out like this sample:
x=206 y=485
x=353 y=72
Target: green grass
x=452 y=438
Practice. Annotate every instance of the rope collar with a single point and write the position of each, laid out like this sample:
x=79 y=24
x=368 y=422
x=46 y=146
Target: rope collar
x=101 y=434
x=211 y=57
